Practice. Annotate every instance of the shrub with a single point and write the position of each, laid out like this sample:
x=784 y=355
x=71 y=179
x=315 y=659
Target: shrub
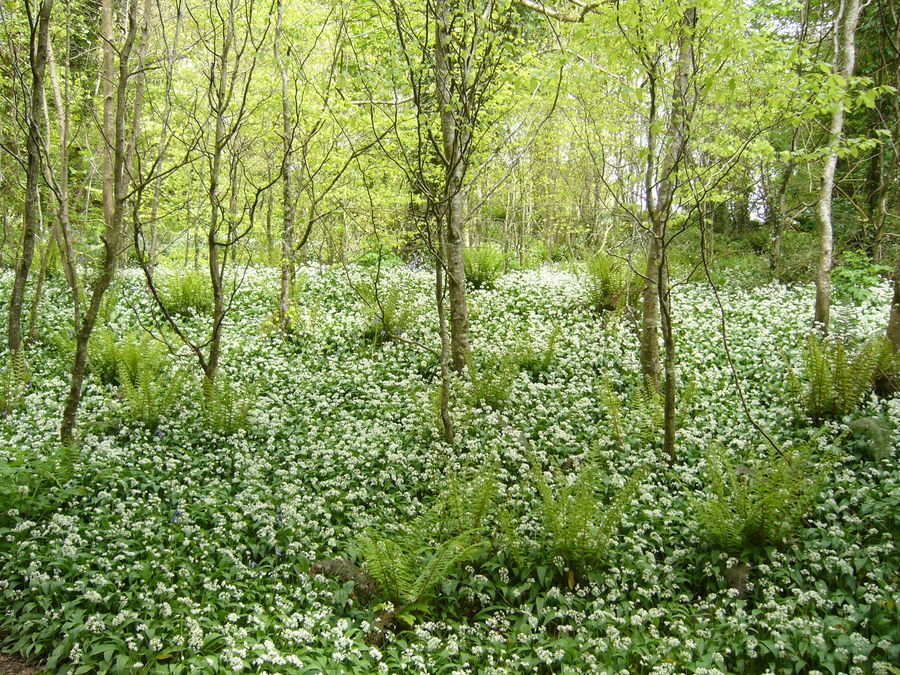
x=388 y=315
x=13 y=382
x=832 y=381
x=187 y=293
x=761 y=505
x=484 y=265
x=226 y=406
x=534 y=359
x=577 y=524
x=610 y=284
x=147 y=394
x=856 y=276
x=137 y=351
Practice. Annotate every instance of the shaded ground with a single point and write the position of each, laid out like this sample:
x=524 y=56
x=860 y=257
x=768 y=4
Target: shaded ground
x=12 y=664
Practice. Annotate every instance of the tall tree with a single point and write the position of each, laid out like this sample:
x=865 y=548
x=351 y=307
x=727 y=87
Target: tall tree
x=846 y=20
x=39 y=46
x=120 y=132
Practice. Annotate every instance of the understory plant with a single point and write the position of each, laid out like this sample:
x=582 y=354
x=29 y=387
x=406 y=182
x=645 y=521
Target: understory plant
x=147 y=394
x=226 y=405
x=760 y=504
x=856 y=276
x=610 y=284
x=31 y=482
x=833 y=378
x=13 y=382
x=484 y=265
x=578 y=522
x=407 y=568
x=388 y=316
x=187 y=293
x=534 y=358
x=111 y=357
x=490 y=384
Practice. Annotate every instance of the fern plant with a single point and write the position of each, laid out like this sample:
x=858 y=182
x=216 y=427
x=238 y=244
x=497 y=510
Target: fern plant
x=484 y=265
x=408 y=569
x=13 y=382
x=833 y=380
x=225 y=406
x=535 y=359
x=465 y=503
x=109 y=356
x=643 y=408
x=147 y=395
x=578 y=525
x=610 y=284
x=761 y=505
x=187 y=293
x=491 y=384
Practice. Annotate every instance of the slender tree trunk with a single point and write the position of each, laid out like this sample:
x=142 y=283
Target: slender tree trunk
x=39 y=46
x=63 y=230
x=657 y=298
x=893 y=329
x=46 y=257
x=121 y=154
x=844 y=61
x=446 y=382
x=455 y=140
x=287 y=196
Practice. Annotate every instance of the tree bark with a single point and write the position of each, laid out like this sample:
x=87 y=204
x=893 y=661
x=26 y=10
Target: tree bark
x=893 y=329
x=844 y=62
x=657 y=298
x=122 y=148
x=287 y=196
x=455 y=140
x=38 y=50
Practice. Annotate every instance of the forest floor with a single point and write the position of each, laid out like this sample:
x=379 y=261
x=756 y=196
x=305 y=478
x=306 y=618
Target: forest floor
x=12 y=664
x=178 y=535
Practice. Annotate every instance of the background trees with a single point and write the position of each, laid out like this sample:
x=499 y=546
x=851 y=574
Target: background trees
x=174 y=133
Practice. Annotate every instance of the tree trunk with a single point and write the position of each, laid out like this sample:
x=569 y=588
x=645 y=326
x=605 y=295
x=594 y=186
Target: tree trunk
x=455 y=141
x=656 y=286
x=287 y=197
x=63 y=230
x=893 y=329
x=39 y=46
x=122 y=149
x=844 y=63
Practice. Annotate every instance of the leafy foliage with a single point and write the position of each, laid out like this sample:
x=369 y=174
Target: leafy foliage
x=833 y=380
x=577 y=523
x=610 y=284
x=484 y=265
x=856 y=276
x=491 y=384
x=534 y=358
x=226 y=405
x=31 y=483
x=13 y=382
x=761 y=505
x=388 y=315
x=137 y=351
x=148 y=393
x=187 y=293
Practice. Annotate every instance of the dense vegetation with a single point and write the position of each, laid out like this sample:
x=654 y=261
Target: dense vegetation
x=482 y=336
x=186 y=543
